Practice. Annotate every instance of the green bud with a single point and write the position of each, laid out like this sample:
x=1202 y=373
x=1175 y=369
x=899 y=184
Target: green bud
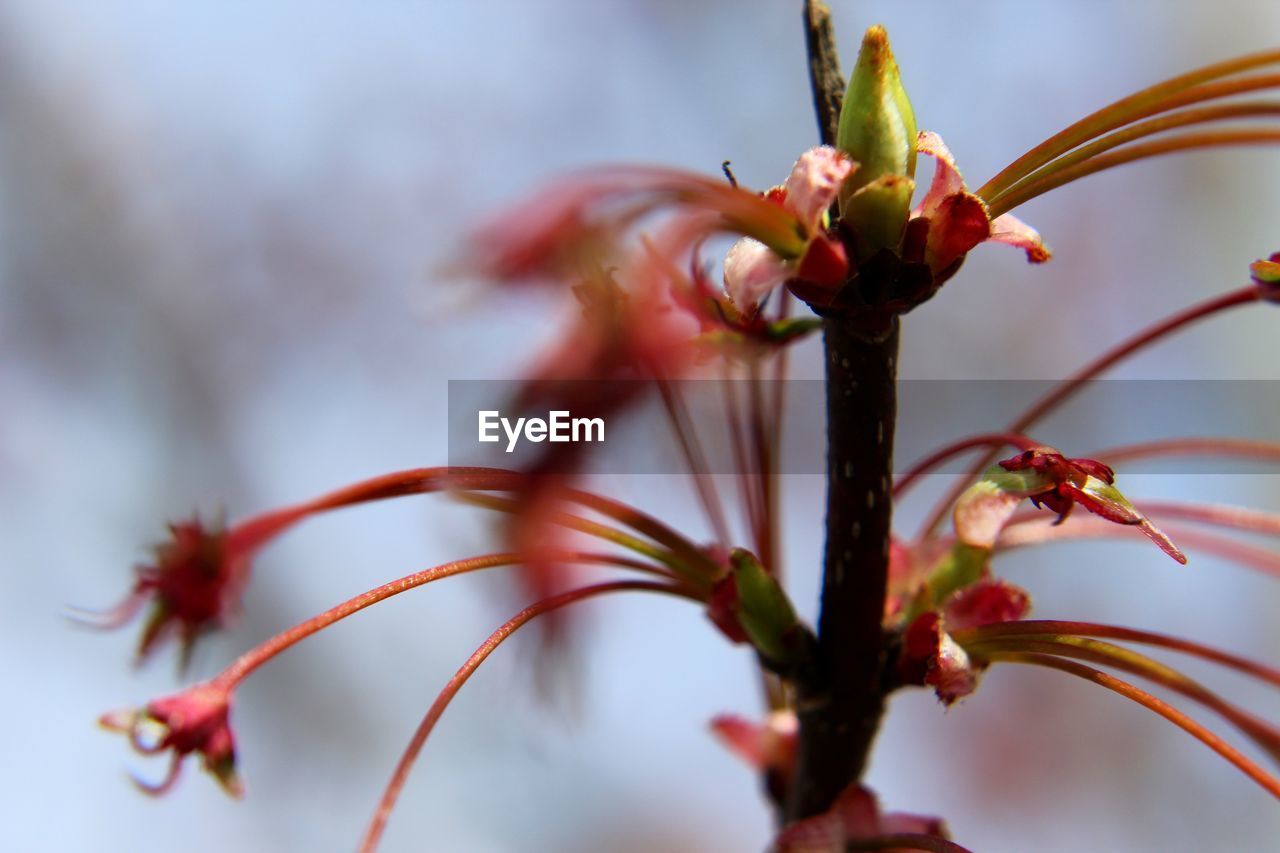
x=764 y=611
x=878 y=211
x=878 y=130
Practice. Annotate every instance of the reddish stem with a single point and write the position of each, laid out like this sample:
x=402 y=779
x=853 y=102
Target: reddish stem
x=388 y=801
x=763 y=441
x=1016 y=535
x=737 y=437
x=254 y=658
x=1234 y=517
x=1265 y=451
x=1068 y=387
x=1164 y=709
x=1035 y=627
x=1262 y=733
x=256 y=531
x=1141 y=130
x=994 y=440
x=1195 y=141
x=696 y=459
x=1170 y=94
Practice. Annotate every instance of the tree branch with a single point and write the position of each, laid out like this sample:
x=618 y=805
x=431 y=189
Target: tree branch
x=825 y=78
x=841 y=704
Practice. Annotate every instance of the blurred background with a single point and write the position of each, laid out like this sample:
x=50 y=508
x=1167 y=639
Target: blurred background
x=218 y=226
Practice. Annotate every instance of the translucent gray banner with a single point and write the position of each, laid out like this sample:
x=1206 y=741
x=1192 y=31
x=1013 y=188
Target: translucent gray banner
x=625 y=428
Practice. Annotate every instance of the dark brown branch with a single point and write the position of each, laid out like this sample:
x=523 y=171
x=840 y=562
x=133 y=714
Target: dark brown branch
x=841 y=703
x=824 y=69
x=841 y=706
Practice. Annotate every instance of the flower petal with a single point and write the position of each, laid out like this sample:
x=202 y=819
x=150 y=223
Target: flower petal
x=988 y=601
x=824 y=263
x=931 y=657
x=1012 y=231
x=958 y=224
x=751 y=270
x=814 y=183
x=946 y=177
x=763 y=746
x=983 y=511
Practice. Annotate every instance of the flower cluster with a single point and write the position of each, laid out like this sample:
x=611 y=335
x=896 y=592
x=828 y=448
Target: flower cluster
x=841 y=235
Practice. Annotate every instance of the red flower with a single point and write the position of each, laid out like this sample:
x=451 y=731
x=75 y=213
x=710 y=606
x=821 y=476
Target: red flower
x=193 y=721
x=1067 y=481
x=194 y=584
x=1054 y=482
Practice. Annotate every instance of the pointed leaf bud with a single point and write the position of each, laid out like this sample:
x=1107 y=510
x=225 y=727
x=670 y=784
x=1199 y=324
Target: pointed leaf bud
x=878 y=130
x=763 y=609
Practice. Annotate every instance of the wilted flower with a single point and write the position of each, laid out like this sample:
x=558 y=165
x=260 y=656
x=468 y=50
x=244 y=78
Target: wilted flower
x=193 y=721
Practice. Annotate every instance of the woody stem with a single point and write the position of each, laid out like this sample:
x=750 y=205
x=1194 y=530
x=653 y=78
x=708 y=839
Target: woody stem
x=840 y=706
x=840 y=702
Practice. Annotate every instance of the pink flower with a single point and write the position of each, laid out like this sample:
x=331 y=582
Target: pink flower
x=955 y=220
x=193 y=721
x=856 y=816
x=768 y=748
x=753 y=269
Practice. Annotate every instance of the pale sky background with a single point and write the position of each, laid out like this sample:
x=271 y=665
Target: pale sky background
x=218 y=225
